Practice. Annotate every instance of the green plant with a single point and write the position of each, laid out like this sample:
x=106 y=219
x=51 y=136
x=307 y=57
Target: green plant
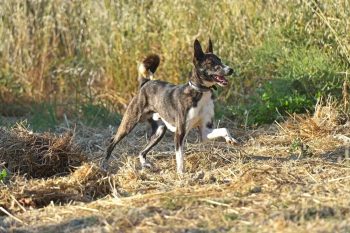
x=292 y=74
x=43 y=116
x=231 y=216
x=3 y=174
x=315 y=69
x=98 y=115
x=295 y=145
x=273 y=100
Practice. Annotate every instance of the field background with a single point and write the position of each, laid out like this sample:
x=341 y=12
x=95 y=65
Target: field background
x=68 y=71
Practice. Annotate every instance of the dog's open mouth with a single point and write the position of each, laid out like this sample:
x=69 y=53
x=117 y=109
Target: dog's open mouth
x=221 y=80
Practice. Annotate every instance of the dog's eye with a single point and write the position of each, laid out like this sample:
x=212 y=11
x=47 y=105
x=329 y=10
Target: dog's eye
x=217 y=67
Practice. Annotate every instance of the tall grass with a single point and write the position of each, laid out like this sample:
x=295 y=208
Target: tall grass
x=77 y=53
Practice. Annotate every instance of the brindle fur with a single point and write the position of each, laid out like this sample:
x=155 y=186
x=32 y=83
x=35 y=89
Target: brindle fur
x=170 y=102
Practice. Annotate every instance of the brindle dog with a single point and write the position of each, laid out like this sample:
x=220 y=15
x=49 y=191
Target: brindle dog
x=178 y=108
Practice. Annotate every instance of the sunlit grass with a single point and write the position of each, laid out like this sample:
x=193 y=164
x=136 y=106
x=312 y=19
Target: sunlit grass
x=86 y=52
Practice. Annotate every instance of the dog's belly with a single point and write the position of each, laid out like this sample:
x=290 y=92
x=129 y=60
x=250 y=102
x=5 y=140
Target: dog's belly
x=170 y=127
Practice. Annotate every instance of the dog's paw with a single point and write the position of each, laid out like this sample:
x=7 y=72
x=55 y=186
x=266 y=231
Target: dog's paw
x=104 y=165
x=198 y=176
x=231 y=140
x=180 y=171
x=146 y=165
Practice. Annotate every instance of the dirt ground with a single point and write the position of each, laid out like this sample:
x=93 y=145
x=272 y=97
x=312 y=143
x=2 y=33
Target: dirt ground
x=286 y=177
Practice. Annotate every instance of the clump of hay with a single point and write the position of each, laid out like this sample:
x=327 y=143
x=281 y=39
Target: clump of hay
x=325 y=121
x=92 y=181
x=320 y=133
x=85 y=184
x=38 y=155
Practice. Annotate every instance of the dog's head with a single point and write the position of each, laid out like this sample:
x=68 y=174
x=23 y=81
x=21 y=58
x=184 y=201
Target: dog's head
x=210 y=68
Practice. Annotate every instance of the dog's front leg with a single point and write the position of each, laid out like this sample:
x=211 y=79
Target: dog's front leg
x=209 y=133
x=179 y=141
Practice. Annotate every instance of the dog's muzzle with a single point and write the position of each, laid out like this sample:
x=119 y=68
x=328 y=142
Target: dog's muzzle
x=220 y=78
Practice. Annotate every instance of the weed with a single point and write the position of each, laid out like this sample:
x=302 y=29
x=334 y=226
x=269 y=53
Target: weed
x=98 y=115
x=295 y=145
x=43 y=116
x=3 y=174
x=292 y=77
x=171 y=204
x=231 y=216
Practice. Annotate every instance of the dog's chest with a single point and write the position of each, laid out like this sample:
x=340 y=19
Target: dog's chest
x=202 y=113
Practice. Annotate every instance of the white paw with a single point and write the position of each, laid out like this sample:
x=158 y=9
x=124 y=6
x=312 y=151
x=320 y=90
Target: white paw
x=231 y=140
x=180 y=170
x=146 y=165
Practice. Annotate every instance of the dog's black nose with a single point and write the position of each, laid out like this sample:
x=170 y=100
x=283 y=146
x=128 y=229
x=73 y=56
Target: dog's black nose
x=230 y=71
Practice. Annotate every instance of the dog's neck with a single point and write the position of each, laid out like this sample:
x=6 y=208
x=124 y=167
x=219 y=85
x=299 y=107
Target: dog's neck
x=196 y=82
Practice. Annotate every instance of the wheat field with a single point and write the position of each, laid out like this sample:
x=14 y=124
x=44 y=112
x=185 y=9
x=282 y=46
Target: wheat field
x=67 y=53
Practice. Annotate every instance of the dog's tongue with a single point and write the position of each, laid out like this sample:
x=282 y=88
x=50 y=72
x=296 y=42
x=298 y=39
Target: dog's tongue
x=221 y=79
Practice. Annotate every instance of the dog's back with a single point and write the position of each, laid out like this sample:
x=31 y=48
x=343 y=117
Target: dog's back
x=147 y=68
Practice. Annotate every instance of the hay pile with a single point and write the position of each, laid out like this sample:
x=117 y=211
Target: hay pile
x=38 y=155
x=85 y=184
x=326 y=120
x=325 y=133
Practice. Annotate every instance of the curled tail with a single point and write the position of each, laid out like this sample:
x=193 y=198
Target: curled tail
x=147 y=68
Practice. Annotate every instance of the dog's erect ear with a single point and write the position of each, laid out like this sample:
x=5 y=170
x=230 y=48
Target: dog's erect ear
x=198 y=52
x=210 y=47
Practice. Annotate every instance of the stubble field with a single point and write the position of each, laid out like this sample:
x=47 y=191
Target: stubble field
x=286 y=177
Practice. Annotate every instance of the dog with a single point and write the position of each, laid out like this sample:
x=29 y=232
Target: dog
x=178 y=108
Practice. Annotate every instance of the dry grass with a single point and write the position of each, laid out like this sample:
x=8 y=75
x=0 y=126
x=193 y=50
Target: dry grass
x=83 y=185
x=290 y=177
x=72 y=52
x=38 y=155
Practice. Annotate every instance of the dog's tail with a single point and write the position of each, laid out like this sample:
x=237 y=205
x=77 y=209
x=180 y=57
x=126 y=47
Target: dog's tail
x=147 y=68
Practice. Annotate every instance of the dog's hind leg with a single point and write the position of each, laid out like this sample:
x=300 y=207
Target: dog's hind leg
x=130 y=119
x=154 y=126
x=158 y=134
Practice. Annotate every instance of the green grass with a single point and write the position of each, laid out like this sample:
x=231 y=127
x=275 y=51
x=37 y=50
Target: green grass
x=291 y=77
x=45 y=116
x=3 y=174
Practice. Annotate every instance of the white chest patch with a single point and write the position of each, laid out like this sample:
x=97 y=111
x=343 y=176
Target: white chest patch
x=202 y=113
x=196 y=116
